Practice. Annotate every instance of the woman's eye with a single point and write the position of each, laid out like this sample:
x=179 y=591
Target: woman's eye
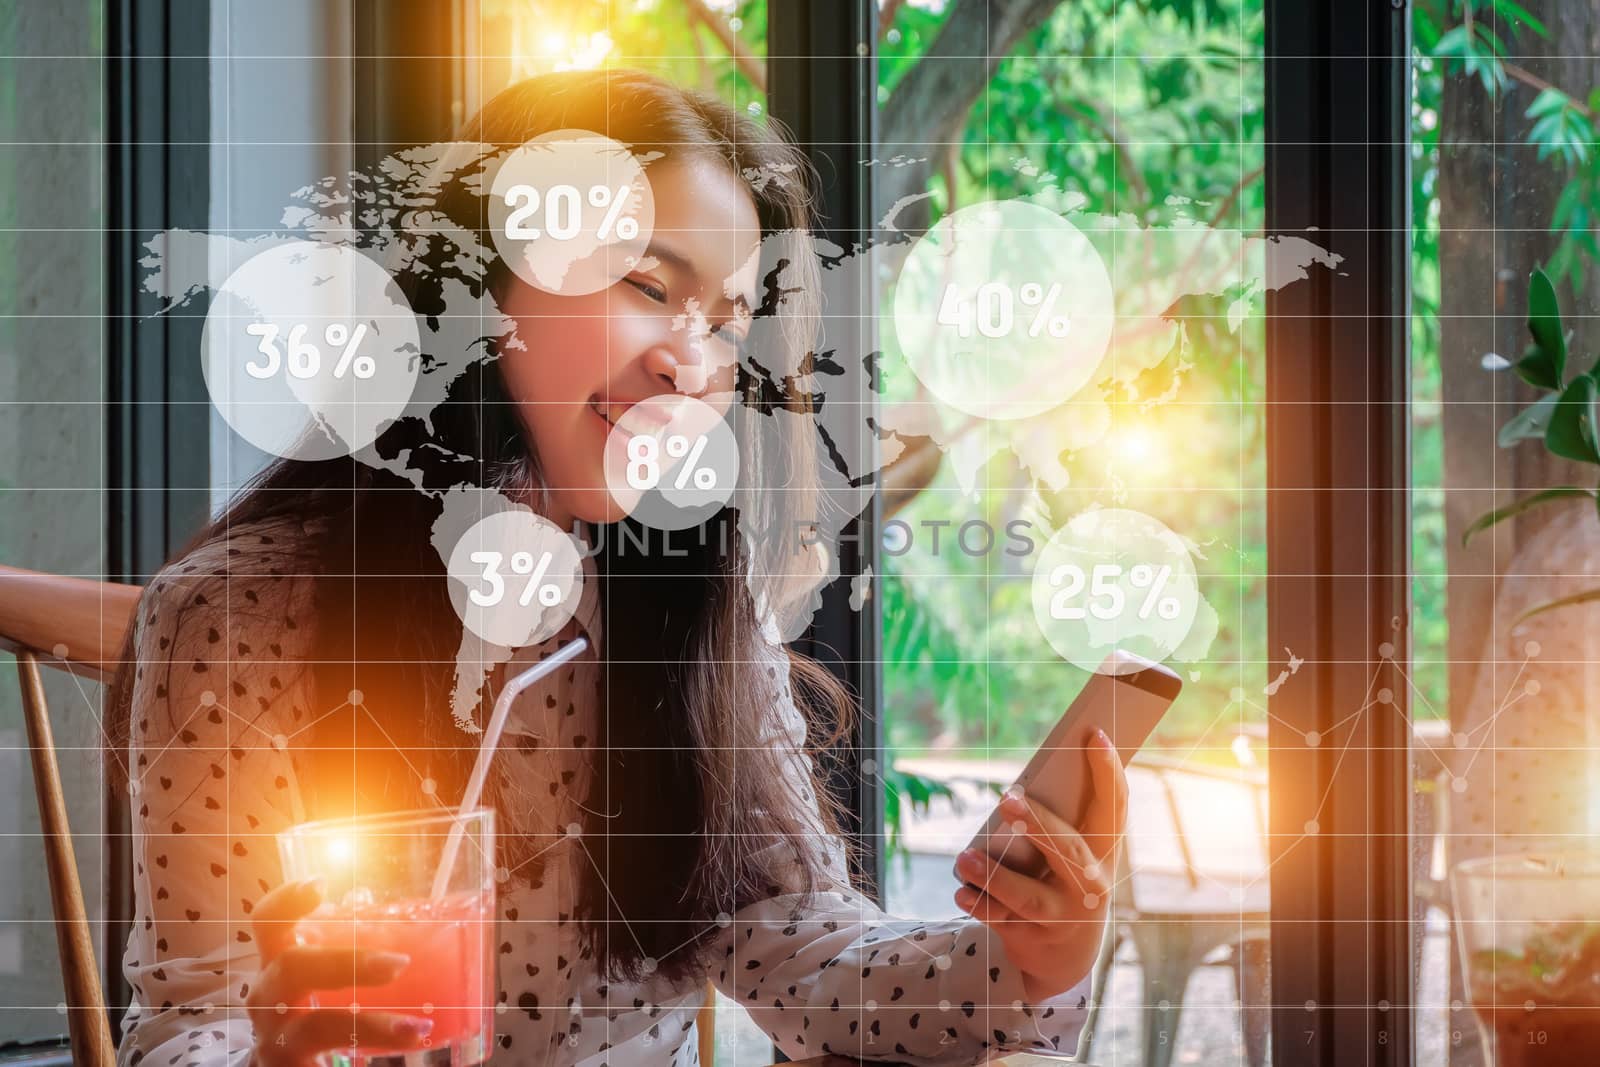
x=652 y=291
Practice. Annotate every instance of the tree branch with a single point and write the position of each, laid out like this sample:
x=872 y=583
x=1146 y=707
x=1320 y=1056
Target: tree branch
x=887 y=11
x=911 y=472
x=1106 y=127
x=753 y=67
x=930 y=103
x=1528 y=78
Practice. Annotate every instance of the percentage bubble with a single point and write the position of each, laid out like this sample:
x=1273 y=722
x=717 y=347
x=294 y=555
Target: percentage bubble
x=272 y=323
x=1114 y=578
x=705 y=477
x=616 y=202
x=515 y=578
x=548 y=592
x=1154 y=580
x=563 y=217
x=958 y=298
x=571 y=212
x=991 y=311
x=1045 y=319
x=340 y=336
x=671 y=461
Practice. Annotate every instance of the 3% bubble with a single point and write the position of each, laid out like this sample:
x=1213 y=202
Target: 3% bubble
x=644 y=462
x=1106 y=598
x=524 y=566
x=563 y=209
x=991 y=310
x=304 y=359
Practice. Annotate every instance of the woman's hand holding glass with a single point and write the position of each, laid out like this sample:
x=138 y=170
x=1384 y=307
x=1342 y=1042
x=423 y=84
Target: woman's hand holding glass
x=290 y=1033
x=1051 y=926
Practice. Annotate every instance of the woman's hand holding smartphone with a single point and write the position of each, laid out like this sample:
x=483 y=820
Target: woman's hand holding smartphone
x=1052 y=924
x=1041 y=870
x=288 y=1031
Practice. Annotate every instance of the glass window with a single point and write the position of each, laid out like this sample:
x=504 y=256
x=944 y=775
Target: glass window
x=718 y=46
x=53 y=437
x=1504 y=194
x=1143 y=130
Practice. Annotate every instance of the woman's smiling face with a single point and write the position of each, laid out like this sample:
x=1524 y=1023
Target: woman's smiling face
x=673 y=325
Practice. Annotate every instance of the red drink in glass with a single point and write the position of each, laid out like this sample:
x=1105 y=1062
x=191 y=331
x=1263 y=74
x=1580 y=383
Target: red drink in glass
x=419 y=883
x=451 y=945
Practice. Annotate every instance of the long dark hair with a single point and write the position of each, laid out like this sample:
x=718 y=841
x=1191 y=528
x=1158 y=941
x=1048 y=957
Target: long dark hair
x=689 y=833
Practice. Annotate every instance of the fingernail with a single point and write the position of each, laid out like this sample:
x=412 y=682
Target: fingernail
x=1013 y=792
x=965 y=897
x=391 y=961
x=1100 y=735
x=968 y=861
x=413 y=1027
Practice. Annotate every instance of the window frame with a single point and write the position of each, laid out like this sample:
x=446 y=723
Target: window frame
x=157 y=168
x=1338 y=572
x=822 y=74
x=1338 y=532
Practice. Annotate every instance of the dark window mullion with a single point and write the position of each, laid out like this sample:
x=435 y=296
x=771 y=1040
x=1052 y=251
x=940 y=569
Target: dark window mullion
x=157 y=169
x=1338 y=534
x=822 y=77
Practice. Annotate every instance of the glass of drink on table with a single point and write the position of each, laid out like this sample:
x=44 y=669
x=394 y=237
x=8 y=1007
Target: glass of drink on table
x=384 y=890
x=1529 y=930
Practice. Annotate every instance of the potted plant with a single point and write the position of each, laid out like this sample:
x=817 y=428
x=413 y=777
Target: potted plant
x=1566 y=418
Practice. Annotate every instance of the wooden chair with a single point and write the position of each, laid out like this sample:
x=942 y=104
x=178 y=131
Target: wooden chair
x=74 y=625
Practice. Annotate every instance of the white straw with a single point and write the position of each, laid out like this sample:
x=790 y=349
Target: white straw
x=491 y=740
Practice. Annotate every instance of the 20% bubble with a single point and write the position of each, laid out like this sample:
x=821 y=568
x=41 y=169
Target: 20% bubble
x=563 y=212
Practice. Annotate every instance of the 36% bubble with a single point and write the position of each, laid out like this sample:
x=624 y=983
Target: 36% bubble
x=644 y=462
x=562 y=207
x=1106 y=598
x=991 y=309
x=304 y=359
x=523 y=565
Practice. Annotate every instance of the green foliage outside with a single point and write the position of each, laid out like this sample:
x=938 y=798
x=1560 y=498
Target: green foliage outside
x=1155 y=110
x=1152 y=108
x=1473 y=38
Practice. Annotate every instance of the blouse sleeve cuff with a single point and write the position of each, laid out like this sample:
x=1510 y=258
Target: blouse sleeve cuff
x=1005 y=1017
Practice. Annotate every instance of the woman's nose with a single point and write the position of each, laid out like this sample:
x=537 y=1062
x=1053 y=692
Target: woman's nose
x=682 y=367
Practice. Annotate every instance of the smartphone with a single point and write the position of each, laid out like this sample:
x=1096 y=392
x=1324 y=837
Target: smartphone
x=1126 y=698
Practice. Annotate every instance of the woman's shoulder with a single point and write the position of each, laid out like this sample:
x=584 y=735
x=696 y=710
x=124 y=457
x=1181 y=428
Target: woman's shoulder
x=241 y=571
x=224 y=628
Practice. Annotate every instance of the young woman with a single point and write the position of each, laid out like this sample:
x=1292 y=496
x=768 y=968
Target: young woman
x=660 y=819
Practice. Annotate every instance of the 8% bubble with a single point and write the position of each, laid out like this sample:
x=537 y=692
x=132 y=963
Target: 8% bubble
x=644 y=462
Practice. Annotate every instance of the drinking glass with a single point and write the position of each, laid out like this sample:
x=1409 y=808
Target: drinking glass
x=1528 y=926
x=381 y=893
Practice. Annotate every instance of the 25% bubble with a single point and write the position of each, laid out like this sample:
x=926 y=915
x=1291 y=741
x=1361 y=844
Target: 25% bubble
x=304 y=359
x=524 y=566
x=1106 y=598
x=563 y=209
x=644 y=462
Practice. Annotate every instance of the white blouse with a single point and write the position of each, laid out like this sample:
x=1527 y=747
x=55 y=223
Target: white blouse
x=218 y=700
